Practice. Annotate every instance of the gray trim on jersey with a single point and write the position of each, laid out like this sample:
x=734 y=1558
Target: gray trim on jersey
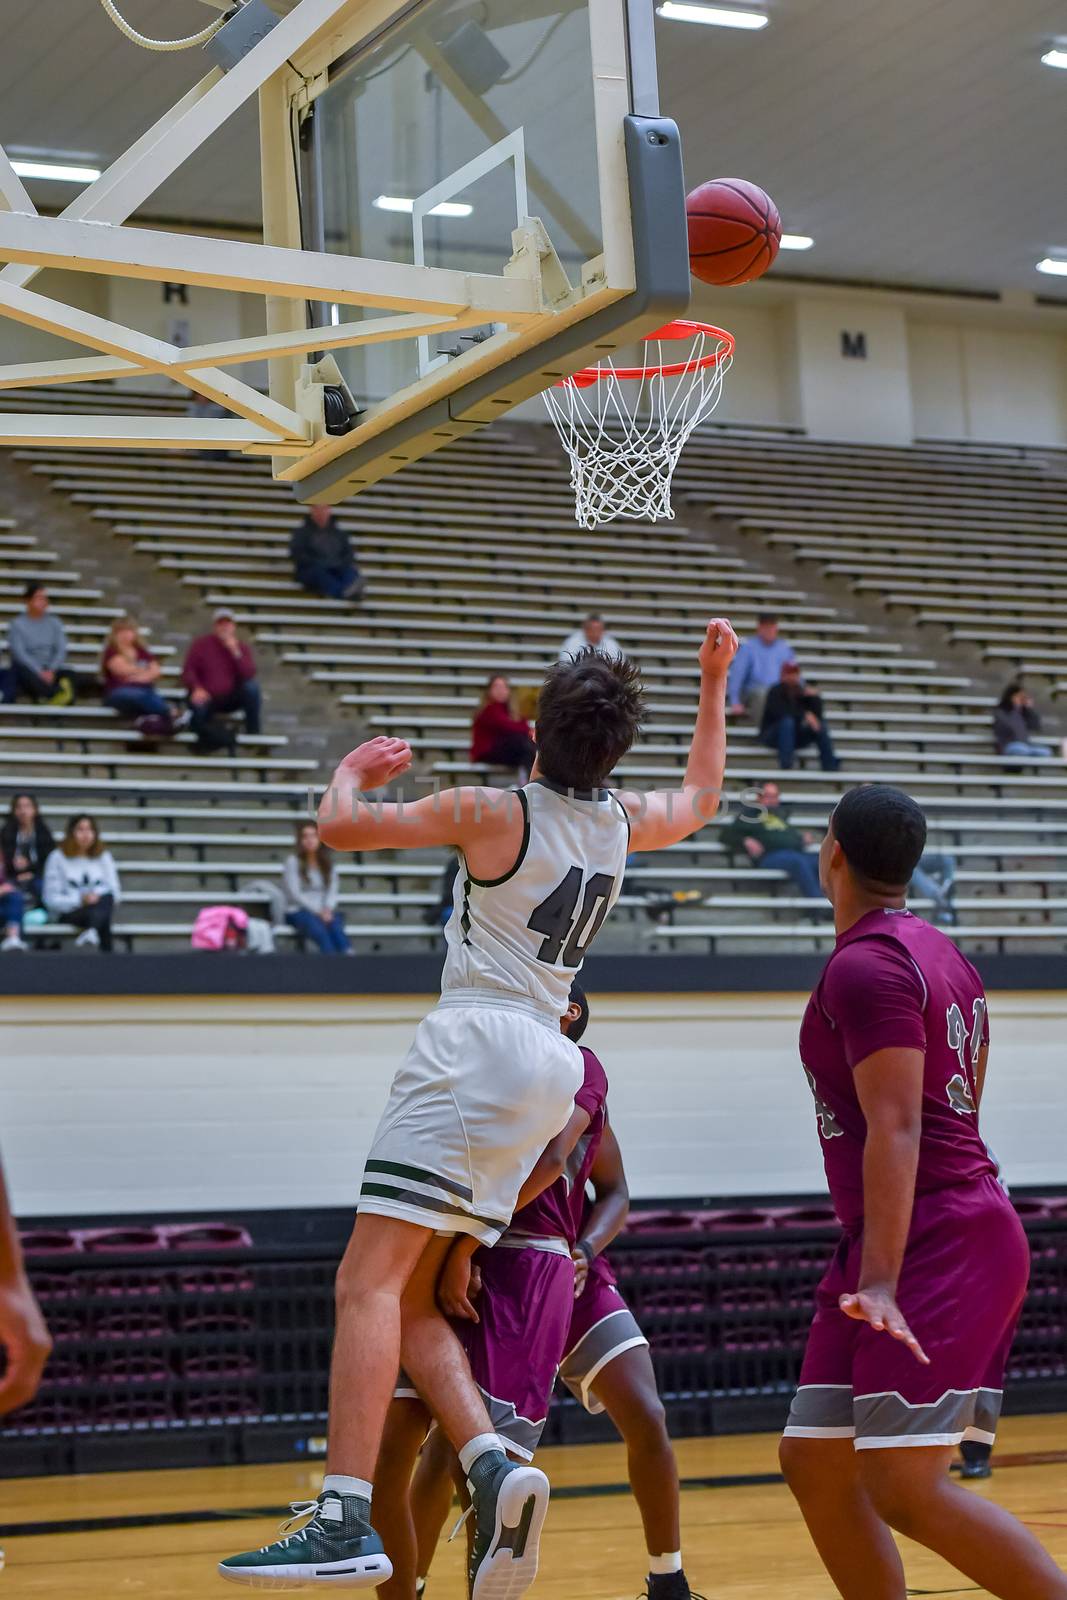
x=523 y=1434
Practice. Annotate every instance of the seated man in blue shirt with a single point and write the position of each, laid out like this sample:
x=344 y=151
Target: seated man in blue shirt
x=756 y=667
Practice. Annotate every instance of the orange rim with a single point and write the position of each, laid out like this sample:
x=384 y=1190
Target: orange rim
x=678 y=329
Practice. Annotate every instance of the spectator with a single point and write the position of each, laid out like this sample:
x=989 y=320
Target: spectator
x=312 y=889
x=81 y=885
x=592 y=635
x=26 y=842
x=1014 y=720
x=497 y=735
x=323 y=558
x=756 y=668
x=793 y=718
x=220 y=675
x=130 y=673
x=12 y=907
x=37 y=641
x=771 y=842
x=935 y=879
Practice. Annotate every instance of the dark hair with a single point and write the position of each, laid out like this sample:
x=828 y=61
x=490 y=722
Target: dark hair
x=323 y=856
x=588 y=716
x=593 y=616
x=882 y=832
x=1010 y=690
x=68 y=846
x=33 y=588
x=766 y=616
x=576 y=1028
x=24 y=794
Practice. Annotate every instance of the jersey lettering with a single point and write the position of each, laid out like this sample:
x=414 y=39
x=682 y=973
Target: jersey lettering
x=967 y=1044
x=829 y=1127
x=563 y=922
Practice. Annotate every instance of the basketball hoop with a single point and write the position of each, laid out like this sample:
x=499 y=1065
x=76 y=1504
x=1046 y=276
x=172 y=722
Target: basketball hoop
x=625 y=427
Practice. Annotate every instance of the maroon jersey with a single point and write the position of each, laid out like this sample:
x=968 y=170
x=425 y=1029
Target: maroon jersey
x=557 y=1212
x=895 y=981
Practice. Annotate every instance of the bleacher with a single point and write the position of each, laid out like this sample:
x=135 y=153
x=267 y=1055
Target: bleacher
x=474 y=564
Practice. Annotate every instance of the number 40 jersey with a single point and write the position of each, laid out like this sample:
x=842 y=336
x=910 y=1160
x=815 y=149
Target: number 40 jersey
x=528 y=931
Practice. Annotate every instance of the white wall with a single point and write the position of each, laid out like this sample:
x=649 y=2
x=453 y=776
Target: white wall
x=936 y=367
x=200 y=1104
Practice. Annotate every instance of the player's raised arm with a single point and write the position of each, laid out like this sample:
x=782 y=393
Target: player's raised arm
x=664 y=816
x=351 y=818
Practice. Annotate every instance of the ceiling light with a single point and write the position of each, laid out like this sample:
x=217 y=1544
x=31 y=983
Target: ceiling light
x=55 y=169
x=713 y=16
x=796 y=241
x=1056 y=265
x=447 y=208
x=1055 y=57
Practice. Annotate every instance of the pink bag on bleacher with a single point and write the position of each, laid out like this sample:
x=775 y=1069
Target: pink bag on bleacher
x=220 y=928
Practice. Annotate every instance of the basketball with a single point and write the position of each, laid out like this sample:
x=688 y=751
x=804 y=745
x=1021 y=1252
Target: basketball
x=734 y=231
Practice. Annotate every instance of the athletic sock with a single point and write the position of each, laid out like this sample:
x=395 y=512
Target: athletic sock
x=478 y=1446
x=670 y=1561
x=338 y=1483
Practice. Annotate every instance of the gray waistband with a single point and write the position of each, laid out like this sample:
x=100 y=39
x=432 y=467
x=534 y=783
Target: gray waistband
x=504 y=1000
x=553 y=1245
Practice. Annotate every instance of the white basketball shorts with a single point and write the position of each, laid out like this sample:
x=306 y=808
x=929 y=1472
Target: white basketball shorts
x=488 y=1082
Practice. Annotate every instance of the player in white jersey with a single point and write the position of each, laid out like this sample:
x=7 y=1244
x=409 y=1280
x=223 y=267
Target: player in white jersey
x=488 y=1082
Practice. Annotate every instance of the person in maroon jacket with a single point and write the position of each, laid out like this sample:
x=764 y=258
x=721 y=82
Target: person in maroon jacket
x=220 y=675
x=498 y=737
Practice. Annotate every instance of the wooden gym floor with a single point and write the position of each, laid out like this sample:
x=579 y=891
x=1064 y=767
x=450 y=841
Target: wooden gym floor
x=742 y=1537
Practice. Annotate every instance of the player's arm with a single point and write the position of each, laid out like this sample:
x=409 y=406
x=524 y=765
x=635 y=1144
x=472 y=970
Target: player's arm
x=610 y=1209
x=663 y=817
x=24 y=1338
x=889 y=1085
x=551 y=1164
x=350 y=819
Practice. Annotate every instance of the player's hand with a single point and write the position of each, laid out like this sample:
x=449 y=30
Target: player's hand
x=581 y=1270
x=718 y=649
x=378 y=761
x=879 y=1309
x=25 y=1339
x=458 y=1286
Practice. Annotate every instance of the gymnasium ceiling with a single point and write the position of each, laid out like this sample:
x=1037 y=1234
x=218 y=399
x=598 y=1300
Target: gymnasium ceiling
x=918 y=142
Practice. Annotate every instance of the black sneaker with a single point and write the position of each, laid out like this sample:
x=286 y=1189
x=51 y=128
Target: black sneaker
x=336 y=1546
x=509 y=1503
x=669 y=1586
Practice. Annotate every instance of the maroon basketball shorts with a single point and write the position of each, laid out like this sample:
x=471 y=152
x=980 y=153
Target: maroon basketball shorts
x=961 y=1290
x=602 y=1326
x=515 y=1348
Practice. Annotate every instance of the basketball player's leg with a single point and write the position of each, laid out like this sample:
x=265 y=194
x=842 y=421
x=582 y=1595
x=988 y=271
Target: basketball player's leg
x=854 y=1543
x=626 y=1388
x=433 y=1357
x=438 y=1480
x=911 y=1491
x=406 y=1426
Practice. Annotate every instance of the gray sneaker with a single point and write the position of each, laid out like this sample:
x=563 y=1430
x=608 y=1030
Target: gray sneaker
x=336 y=1546
x=509 y=1504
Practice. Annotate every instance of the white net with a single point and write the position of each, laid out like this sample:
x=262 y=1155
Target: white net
x=625 y=427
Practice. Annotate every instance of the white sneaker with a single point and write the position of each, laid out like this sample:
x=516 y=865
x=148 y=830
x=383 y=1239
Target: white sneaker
x=14 y=941
x=89 y=940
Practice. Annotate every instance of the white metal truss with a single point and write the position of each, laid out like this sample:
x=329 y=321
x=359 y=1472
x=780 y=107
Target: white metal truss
x=284 y=68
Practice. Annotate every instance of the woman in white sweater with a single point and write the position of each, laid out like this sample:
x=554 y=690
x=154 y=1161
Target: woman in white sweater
x=81 y=885
x=310 y=880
